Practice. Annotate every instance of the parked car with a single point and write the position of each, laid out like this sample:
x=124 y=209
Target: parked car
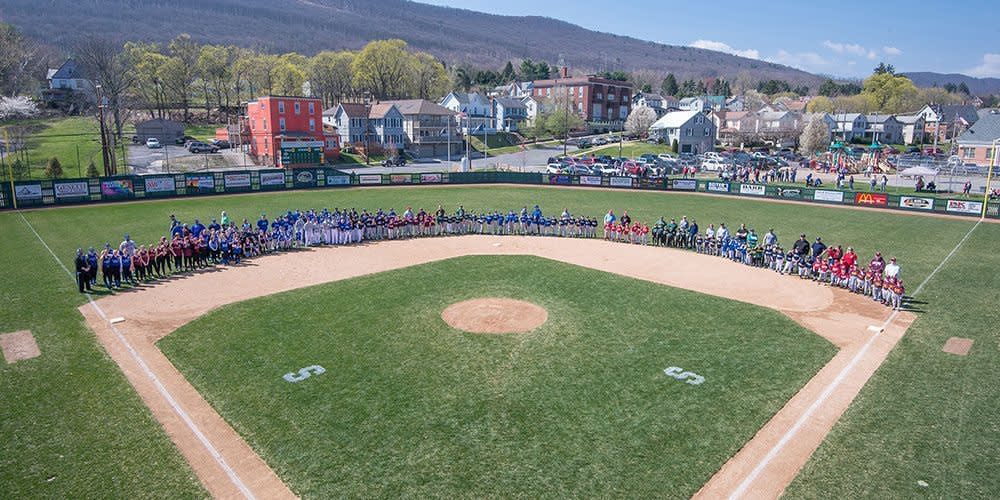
x=554 y=168
x=153 y=143
x=577 y=169
x=712 y=155
x=201 y=147
x=600 y=141
x=666 y=157
x=713 y=165
x=584 y=144
x=220 y=143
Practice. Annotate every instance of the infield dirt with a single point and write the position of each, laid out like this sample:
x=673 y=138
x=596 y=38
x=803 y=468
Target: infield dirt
x=773 y=457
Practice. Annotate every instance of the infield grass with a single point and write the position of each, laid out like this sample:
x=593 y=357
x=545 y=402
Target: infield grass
x=925 y=415
x=579 y=407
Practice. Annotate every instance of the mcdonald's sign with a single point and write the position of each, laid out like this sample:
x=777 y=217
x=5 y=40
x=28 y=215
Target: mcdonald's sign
x=871 y=199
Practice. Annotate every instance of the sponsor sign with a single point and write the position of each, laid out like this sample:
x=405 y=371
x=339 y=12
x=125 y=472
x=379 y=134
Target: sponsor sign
x=965 y=207
x=560 y=179
x=590 y=180
x=338 y=180
x=916 y=203
x=117 y=188
x=202 y=183
x=400 y=179
x=718 y=187
x=236 y=180
x=871 y=199
x=28 y=192
x=430 y=178
x=752 y=189
x=304 y=178
x=159 y=184
x=621 y=181
x=370 y=179
x=272 y=178
x=789 y=193
x=685 y=184
x=78 y=189
x=824 y=195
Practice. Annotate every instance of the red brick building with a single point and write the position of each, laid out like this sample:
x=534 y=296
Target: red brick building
x=603 y=103
x=287 y=131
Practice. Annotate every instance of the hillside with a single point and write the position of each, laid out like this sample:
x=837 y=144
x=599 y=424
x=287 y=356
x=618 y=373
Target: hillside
x=978 y=86
x=308 y=26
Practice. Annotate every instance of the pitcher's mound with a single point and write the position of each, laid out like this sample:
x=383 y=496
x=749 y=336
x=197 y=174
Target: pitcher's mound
x=493 y=315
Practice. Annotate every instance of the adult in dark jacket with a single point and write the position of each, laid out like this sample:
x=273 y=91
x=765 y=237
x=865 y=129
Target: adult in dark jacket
x=801 y=246
x=818 y=248
x=82 y=271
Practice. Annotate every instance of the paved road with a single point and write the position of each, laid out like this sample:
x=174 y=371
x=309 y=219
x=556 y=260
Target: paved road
x=530 y=160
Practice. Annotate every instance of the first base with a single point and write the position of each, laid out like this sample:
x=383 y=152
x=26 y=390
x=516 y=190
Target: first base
x=115 y=321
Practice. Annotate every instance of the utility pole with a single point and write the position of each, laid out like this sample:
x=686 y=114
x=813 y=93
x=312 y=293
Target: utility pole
x=367 y=122
x=104 y=137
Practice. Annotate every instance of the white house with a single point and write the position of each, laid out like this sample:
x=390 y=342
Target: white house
x=693 y=131
x=68 y=84
x=693 y=104
x=530 y=108
x=650 y=100
x=850 y=126
x=884 y=128
x=913 y=128
x=509 y=114
x=474 y=108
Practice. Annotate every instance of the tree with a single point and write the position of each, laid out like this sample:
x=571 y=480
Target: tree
x=19 y=169
x=619 y=76
x=179 y=72
x=815 y=137
x=889 y=93
x=17 y=107
x=18 y=61
x=647 y=88
x=753 y=100
x=428 y=78
x=330 y=76
x=508 y=74
x=149 y=90
x=639 y=120
x=53 y=169
x=559 y=116
x=92 y=170
x=771 y=87
x=531 y=70
x=290 y=74
x=215 y=64
x=674 y=146
x=462 y=79
x=950 y=88
x=820 y=104
x=884 y=69
x=108 y=66
x=669 y=85
x=381 y=68
x=829 y=88
x=963 y=88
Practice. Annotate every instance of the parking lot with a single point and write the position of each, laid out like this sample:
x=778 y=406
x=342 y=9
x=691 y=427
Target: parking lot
x=173 y=158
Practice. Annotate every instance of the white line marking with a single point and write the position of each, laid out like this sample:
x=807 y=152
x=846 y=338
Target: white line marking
x=115 y=321
x=790 y=433
x=233 y=476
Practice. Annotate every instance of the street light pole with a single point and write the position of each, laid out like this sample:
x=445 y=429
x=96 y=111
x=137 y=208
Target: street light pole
x=989 y=178
x=367 y=122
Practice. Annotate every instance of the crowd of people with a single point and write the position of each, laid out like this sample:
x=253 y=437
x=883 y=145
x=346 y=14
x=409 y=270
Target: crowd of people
x=226 y=242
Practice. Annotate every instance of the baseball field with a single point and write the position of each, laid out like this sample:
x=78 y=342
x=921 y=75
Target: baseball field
x=348 y=372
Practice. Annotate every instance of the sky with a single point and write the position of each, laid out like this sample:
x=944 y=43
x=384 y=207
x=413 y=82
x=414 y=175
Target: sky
x=844 y=39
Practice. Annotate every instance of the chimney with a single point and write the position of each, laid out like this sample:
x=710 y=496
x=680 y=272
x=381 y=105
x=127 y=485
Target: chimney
x=564 y=72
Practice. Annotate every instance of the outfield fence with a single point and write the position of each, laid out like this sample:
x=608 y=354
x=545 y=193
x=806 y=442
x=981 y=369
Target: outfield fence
x=38 y=193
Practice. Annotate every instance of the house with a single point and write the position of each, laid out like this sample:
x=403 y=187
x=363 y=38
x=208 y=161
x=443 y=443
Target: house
x=831 y=124
x=165 y=131
x=731 y=124
x=286 y=131
x=913 y=128
x=509 y=114
x=947 y=121
x=884 y=129
x=376 y=125
x=789 y=104
x=782 y=128
x=604 y=104
x=693 y=104
x=68 y=85
x=715 y=102
x=430 y=129
x=692 y=130
x=512 y=89
x=474 y=109
x=850 y=126
x=530 y=108
x=976 y=145
x=736 y=103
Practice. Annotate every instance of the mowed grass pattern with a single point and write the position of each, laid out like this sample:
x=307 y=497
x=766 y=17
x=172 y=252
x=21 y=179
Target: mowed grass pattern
x=580 y=406
x=903 y=426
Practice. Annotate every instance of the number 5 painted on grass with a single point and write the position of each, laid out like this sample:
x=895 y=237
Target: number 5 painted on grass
x=304 y=373
x=679 y=374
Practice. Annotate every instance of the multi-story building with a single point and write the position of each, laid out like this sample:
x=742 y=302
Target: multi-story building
x=430 y=129
x=509 y=114
x=947 y=121
x=884 y=128
x=378 y=125
x=693 y=131
x=286 y=131
x=474 y=108
x=603 y=103
x=849 y=126
x=976 y=145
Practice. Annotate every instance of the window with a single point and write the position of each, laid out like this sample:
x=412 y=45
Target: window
x=312 y=125
x=580 y=92
x=312 y=108
x=297 y=108
x=281 y=124
x=699 y=120
x=265 y=123
x=281 y=106
x=706 y=131
x=689 y=132
x=989 y=153
x=970 y=153
x=600 y=96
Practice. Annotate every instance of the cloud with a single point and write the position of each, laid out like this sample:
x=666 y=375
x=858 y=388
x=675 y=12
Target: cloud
x=990 y=67
x=847 y=48
x=809 y=61
x=892 y=51
x=724 y=47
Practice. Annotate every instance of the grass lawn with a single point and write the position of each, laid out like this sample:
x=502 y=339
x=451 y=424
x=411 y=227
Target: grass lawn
x=202 y=132
x=62 y=138
x=499 y=142
x=925 y=415
x=579 y=407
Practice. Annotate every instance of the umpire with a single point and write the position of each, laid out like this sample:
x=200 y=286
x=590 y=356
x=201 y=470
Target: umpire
x=82 y=272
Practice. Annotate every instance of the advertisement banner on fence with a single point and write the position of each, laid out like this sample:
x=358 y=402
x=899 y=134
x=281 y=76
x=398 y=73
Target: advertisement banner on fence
x=684 y=184
x=430 y=178
x=236 y=180
x=718 y=187
x=824 y=195
x=400 y=179
x=789 y=193
x=338 y=180
x=370 y=179
x=621 y=181
x=159 y=184
x=304 y=178
x=28 y=192
x=272 y=178
x=203 y=183
x=752 y=189
x=965 y=207
x=560 y=179
x=590 y=180
x=916 y=203
x=871 y=199
x=78 y=189
x=116 y=188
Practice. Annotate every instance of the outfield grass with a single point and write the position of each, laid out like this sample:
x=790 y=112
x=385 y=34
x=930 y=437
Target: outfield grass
x=579 y=407
x=925 y=415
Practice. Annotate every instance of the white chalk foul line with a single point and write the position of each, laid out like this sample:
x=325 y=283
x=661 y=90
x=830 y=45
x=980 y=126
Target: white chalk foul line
x=233 y=476
x=794 y=429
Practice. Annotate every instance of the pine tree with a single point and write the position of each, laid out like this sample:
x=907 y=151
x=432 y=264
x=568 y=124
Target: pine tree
x=669 y=85
x=53 y=169
x=508 y=75
x=92 y=170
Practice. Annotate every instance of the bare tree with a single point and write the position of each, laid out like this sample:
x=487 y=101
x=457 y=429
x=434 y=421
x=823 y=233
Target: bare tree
x=106 y=64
